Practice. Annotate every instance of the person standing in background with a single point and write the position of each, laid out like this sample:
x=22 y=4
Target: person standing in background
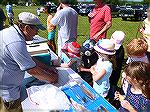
x=51 y=29
x=10 y=13
x=100 y=20
x=2 y=18
x=67 y=20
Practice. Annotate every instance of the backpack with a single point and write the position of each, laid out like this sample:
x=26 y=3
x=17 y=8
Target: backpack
x=88 y=58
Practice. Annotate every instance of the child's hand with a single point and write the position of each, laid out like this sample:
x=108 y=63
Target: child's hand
x=64 y=65
x=92 y=69
x=118 y=96
x=125 y=104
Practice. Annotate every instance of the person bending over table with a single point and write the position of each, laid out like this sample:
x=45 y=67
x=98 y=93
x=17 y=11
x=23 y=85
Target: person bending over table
x=15 y=60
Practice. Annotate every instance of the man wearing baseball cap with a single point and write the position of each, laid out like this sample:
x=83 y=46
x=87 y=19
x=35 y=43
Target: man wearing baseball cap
x=15 y=60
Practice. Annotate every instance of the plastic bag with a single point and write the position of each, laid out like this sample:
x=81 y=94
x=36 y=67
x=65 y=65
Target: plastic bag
x=48 y=97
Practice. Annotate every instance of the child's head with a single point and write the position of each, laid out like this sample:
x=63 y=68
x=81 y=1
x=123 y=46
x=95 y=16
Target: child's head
x=118 y=37
x=87 y=53
x=71 y=49
x=139 y=73
x=106 y=49
x=47 y=9
x=105 y=46
x=137 y=47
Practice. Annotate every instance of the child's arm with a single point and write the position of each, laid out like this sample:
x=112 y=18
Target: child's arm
x=97 y=75
x=50 y=26
x=81 y=68
x=67 y=65
x=125 y=104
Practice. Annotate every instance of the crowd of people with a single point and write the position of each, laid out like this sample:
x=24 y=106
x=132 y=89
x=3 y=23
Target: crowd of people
x=99 y=60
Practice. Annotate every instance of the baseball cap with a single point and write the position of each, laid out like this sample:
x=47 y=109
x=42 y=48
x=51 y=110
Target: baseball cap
x=31 y=19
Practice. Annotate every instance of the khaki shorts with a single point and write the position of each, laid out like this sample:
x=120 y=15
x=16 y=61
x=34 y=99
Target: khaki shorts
x=13 y=106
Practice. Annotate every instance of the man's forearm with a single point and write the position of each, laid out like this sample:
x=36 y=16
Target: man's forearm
x=104 y=29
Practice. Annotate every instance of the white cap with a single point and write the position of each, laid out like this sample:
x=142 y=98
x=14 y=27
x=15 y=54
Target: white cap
x=118 y=37
x=31 y=19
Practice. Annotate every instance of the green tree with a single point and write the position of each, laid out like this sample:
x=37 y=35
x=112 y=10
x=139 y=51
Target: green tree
x=146 y=1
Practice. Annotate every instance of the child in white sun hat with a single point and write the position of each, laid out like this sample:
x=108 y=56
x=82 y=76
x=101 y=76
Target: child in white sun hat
x=102 y=70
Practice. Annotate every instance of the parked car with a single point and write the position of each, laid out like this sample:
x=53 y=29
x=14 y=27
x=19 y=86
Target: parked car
x=133 y=14
x=145 y=7
x=85 y=9
x=75 y=7
x=53 y=6
x=114 y=10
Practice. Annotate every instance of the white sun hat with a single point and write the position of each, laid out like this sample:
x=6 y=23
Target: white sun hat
x=105 y=46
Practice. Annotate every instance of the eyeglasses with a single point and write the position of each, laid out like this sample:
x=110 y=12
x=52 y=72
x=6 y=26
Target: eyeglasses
x=34 y=27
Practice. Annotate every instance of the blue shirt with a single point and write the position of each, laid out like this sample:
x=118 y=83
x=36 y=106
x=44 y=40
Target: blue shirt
x=14 y=60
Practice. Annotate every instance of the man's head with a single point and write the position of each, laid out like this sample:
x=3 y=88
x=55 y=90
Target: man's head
x=29 y=24
x=65 y=1
x=98 y=2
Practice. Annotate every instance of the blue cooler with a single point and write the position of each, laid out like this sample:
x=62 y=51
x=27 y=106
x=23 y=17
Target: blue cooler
x=44 y=58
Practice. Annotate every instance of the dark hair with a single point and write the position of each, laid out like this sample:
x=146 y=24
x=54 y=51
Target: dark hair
x=141 y=72
x=65 y=1
x=48 y=7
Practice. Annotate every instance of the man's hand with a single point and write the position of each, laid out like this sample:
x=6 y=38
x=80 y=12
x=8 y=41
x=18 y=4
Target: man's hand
x=59 y=7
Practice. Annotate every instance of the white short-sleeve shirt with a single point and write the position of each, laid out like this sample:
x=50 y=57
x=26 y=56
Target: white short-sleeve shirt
x=14 y=60
x=67 y=21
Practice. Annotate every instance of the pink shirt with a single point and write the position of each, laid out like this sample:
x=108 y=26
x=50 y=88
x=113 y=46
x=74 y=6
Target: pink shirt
x=100 y=15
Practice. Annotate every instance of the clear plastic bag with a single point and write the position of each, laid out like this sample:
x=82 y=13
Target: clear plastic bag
x=48 y=97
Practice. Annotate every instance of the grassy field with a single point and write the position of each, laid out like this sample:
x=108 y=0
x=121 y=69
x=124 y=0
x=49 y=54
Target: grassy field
x=129 y=27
